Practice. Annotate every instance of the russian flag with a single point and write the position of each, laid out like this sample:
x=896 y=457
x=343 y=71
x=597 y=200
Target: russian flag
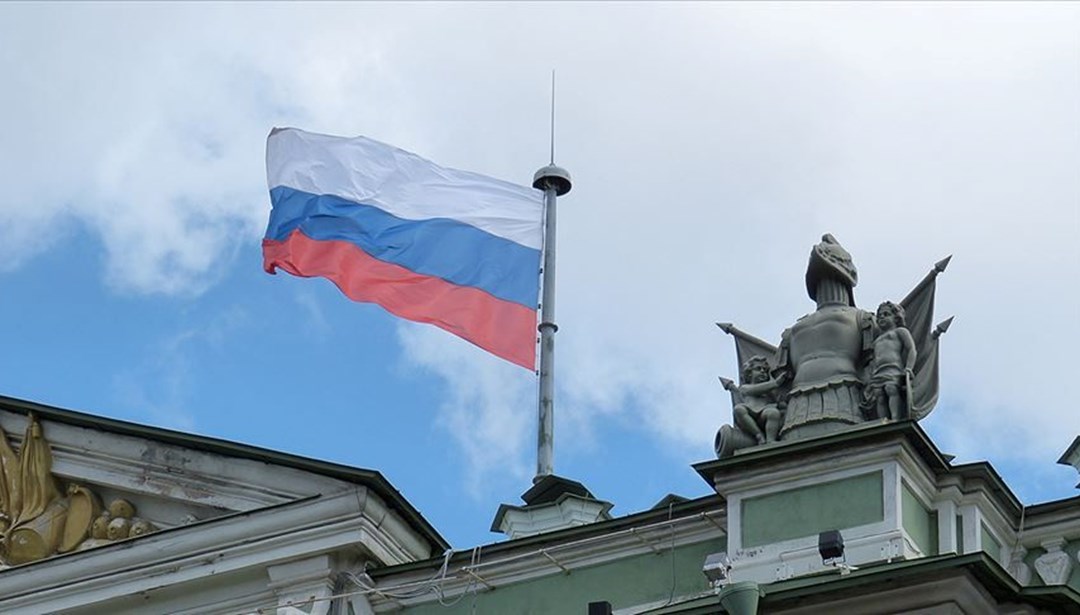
x=455 y=249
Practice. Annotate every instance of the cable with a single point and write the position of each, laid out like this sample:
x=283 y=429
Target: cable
x=671 y=595
x=434 y=584
x=474 y=560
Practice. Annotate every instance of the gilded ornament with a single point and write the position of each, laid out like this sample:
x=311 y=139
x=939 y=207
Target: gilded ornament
x=39 y=519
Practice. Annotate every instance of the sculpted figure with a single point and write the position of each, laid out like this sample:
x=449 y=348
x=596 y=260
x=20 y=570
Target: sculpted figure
x=835 y=367
x=825 y=352
x=758 y=414
x=891 y=370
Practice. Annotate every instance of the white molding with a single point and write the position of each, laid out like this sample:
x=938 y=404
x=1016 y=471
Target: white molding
x=567 y=511
x=786 y=473
x=149 y=467
x=957 y=593
x=971 y=520
x=947 y=538
x=1059 y=524
x=303 y=585
x=347 y=520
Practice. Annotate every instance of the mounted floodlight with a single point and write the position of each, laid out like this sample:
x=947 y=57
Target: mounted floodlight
x=830 y=544
x=831 y=549
x=717 y=568
x=600 y=608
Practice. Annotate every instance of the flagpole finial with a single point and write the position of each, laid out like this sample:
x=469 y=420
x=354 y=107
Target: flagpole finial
x=554 y=176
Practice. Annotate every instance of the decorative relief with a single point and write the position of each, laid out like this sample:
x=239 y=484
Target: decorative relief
x=117 y=522
x=40 y=517
x=1054 y=566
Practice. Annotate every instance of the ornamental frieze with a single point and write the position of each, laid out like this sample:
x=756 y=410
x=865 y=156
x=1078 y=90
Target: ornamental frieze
x=42 y=516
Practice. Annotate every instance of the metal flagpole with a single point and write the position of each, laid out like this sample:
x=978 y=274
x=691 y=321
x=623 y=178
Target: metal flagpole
x=555 y=182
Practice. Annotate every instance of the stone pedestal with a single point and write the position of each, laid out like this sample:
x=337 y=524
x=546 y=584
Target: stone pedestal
x=876 y=484
x=553 y=503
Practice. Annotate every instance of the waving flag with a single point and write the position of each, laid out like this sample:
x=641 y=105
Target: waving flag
x=455 y=249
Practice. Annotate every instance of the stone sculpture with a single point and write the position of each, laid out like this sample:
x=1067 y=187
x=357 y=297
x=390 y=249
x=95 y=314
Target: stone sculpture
x=824 y=351
x=892 y=366
x=758 y=413
x=837 y=366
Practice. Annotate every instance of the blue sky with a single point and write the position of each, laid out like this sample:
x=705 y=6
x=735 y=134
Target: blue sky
x=711 y=146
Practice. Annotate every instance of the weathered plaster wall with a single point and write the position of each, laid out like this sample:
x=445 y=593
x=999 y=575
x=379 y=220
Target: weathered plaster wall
x=919 y=522
x=807 y=511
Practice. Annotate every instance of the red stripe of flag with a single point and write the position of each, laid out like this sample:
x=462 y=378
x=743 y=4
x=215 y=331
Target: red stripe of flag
x=503 y=328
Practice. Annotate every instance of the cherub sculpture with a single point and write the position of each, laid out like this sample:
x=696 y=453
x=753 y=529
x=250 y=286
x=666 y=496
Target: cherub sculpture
x=892 y=367
x=757 y=414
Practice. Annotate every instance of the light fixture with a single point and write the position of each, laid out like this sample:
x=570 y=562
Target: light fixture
x=830 y=544
x=717 y=568
x=831 y=548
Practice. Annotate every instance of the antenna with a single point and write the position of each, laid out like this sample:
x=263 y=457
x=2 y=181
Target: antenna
x=555 y=182
x=552 y=117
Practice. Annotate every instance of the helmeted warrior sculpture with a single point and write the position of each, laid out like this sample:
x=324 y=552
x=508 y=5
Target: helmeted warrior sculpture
x=824 y=351
x=837 y=366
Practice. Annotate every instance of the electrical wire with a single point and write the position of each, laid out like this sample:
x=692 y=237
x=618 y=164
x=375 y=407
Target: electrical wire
x=434 y=584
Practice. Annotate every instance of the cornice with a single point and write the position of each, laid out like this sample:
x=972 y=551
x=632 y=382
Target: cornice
x=160 y=470
x=216 y=547
x=524 y=559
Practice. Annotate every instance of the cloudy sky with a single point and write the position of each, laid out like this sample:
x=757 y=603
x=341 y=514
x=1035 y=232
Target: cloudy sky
x=711 y=145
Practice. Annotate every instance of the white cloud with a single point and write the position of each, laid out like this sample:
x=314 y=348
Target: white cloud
x=711 y=146
x=487 y=408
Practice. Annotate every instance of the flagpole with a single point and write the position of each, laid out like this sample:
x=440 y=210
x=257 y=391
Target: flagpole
x=555 y=182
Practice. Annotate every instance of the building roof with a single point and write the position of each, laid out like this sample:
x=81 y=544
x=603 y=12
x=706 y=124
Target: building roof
x=367 y=478
x=697 y=506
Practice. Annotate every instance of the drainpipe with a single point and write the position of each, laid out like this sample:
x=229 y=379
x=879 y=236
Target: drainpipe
x=740 y=598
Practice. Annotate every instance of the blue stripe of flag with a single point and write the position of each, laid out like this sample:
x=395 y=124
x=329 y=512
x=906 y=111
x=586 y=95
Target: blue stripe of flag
x=456 y=252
